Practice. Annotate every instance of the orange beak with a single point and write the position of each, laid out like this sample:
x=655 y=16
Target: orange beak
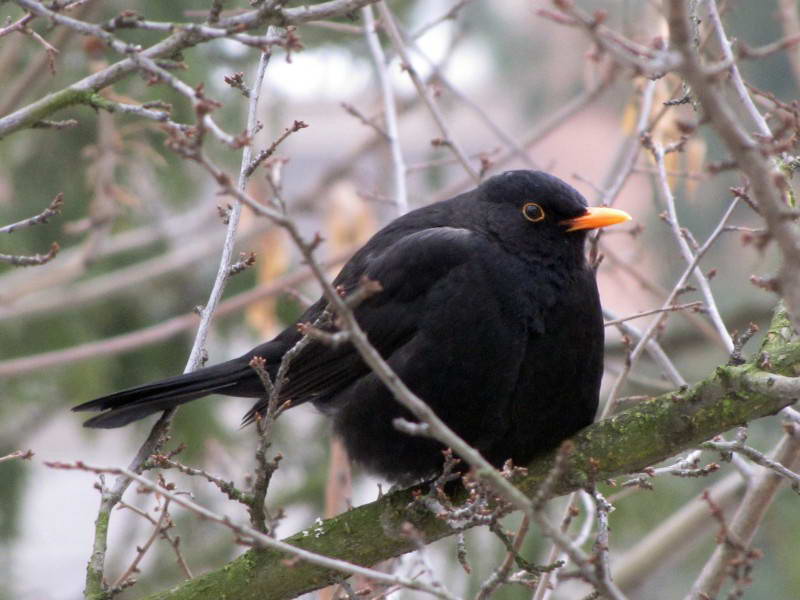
x=596 y=217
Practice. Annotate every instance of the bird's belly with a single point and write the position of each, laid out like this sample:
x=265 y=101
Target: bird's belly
x=467 y=381
x=557 y=391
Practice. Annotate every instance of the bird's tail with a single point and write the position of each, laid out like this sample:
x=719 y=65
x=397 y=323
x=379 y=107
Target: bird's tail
x=235 y=378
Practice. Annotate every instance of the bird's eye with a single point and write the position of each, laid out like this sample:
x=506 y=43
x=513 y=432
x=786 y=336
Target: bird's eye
x=533 y=212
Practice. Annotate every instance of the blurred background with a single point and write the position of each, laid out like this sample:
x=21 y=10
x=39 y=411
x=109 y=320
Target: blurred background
x=140 y=237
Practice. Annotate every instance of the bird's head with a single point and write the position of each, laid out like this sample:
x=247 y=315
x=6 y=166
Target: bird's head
x=534 y=208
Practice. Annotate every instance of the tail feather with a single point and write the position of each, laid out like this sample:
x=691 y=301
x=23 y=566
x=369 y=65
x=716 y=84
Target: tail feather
x=138 y=402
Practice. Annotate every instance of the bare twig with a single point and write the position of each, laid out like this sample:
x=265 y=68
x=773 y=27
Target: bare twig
x=155 y=333
x=450 y=15
x=81 y=27
x=654 y=349
x=53 y=209
x=85 y=90
x=246 y=260
x=31 y=76
x=173 y=541
x=163 y=461
x=19 y=454
x=233 y=223
x=754 y=455
x=389 y=111
x=268 y=152
x=601 y=563
x=653 y=327
x=688 y=306
x=679 y=531
x=438 y=75
x=747 y=519
x=369 y=122
x=665 y=192
x=18 y=25
x=766 y=184
x=252 y=536
x=571 y=548
x=501 y=574
x=551 y=123
x=94 y=577
x=649 y=61
x=549 y=579
x=688 y=466
x=399 y=45
x=161 y=525
x=30 y=261
x=735 y=79
x=264 y=423
x=789 y=20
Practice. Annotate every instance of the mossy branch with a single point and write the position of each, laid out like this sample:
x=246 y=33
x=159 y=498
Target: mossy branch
x=649 y=433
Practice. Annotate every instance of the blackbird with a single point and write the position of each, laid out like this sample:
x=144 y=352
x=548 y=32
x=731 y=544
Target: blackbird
x=488 y=311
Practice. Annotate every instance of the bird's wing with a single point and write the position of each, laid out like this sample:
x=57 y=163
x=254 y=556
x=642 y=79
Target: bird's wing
x=406 y=271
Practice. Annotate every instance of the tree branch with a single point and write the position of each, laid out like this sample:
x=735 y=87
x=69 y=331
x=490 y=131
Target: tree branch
x=628 y=442
x=766 y=182
x=85 y=91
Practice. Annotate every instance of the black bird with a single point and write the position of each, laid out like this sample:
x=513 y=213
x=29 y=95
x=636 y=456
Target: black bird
x=489 y=312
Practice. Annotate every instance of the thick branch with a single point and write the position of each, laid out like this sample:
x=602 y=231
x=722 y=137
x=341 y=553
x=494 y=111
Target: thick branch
x=651 y=432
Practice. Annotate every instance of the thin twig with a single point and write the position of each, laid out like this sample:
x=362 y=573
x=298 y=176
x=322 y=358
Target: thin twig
x=655 y=311
x=18 y=25
x=174 y=541
x=735 y=78
x=500 y=575
x=226 y=487
x=665 y=192
x=53 y=209
x=747 y=519
x=653 y=327
x=159 y=332
x=252 y=536
x=85 y=90
x=438 y=74
x=789 y=20
x=601 y=547
x=268 y=152
x=651 y=62
x=754 y=455
x=159 y=529
x=389 y=111
x=19 y=454
x=369 y=122
x=547 y=126
x=21 y=260
x=450 y=15
x=766 y=185
x=447 y=138
x=233 y=223
x=110 y=497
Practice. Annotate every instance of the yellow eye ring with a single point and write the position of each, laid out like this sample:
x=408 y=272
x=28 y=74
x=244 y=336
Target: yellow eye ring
x=533 y=212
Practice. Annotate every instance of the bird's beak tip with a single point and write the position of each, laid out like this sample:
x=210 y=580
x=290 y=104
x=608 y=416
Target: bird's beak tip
x=596 y=217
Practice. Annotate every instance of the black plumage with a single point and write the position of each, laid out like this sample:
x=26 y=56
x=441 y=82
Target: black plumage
x=488 y=311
